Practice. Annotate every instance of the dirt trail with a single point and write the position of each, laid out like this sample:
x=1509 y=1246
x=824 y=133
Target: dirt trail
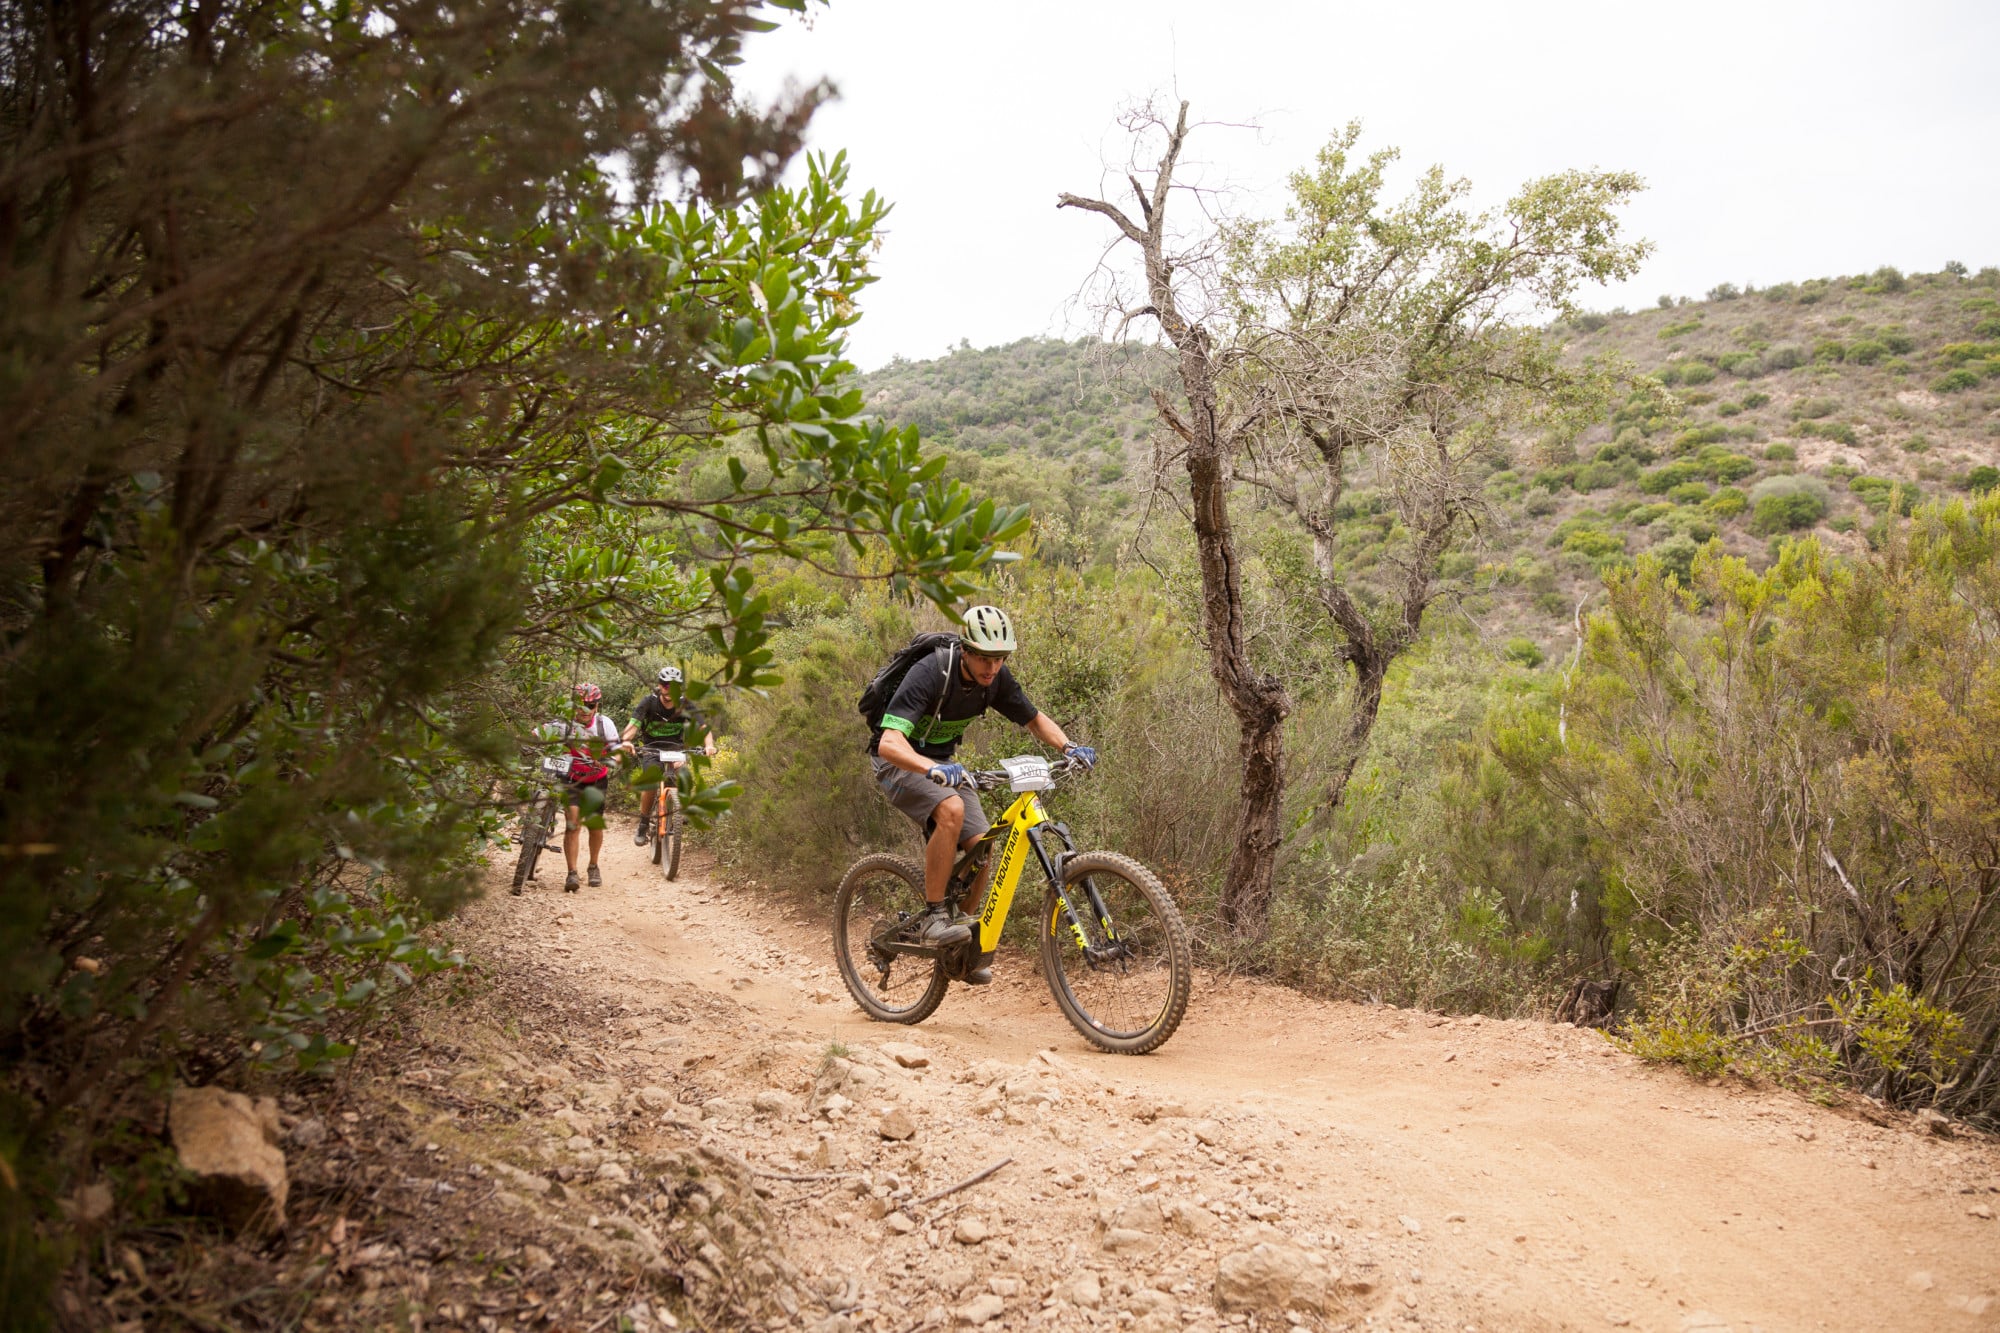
x=1440 y=1173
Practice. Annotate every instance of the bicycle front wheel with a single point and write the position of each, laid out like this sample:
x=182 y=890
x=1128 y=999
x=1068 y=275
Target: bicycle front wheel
x=1125 y=984
x=672 y=854
x=881 y=897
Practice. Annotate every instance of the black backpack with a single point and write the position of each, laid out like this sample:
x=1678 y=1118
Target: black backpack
x=881 y=691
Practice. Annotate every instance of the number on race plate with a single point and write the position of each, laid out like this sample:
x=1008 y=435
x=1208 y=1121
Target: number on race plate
x=559 y=764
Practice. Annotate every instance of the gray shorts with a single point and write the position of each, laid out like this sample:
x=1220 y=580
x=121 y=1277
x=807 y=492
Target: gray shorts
x=916 y=796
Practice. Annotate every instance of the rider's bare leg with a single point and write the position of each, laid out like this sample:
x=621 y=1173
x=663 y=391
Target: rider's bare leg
x=948 y=821
x=572 y=822
x=596 y=846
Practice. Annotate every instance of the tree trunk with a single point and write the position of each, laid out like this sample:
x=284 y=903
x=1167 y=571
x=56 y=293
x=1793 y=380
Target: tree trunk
x=1258 y=699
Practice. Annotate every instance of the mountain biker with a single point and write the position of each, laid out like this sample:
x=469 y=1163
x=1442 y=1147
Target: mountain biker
x=929 y=712
x=591 y=738
x=661 y=724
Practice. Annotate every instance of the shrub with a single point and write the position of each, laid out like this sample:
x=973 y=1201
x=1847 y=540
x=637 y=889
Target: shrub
x=1590 y=323
x=1728 y=502
x=1745 y=365
x=1689 y=492
x=1982 y=479
x=1695 y=524
x=1724 y=466
x=1897 y=341
x=1888 y=278
x=1645 y=514
x=1596 y=477
x=1781 y=291
x=1867 y=352
x=1782 y=504
x=1661 y=480
x=1830 y=430
x=1785 y=356
x=1780 y=452
x=1681 y=328
x=1696 y=372
x=1916 y=444
x=1688 y=440
x=1987 y=328
x=1954 y=380
x=1813 y=408
x=1538 y=503
x=1756 y=400
x=1676 y=556
x=1525 y=651
x=1878 y=493
x=1727 y=408
x=1724 y=291
x=1829 y=351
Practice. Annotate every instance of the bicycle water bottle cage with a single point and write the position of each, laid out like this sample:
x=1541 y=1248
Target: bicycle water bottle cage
x=1027 y=773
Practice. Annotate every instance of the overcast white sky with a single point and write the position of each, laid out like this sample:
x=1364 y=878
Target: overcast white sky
x=1778 y=140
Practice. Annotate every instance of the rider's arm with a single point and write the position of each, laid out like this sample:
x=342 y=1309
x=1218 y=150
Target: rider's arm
x=630 y=731
x=1045 y=730
x=896 y=748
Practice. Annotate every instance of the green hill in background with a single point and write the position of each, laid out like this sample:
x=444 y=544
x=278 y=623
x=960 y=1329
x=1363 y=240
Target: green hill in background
x=1810 y=406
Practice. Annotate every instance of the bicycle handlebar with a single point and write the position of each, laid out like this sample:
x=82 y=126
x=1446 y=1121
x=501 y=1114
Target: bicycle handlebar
x=991 y=779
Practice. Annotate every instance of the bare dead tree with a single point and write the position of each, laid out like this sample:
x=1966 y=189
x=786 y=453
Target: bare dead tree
x=1211 y=438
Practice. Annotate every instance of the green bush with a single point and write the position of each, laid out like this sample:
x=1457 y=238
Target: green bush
x=1676 y=556
x=1587 y=538
x=1867 y=352
x=1878 y=492
x=1888 y=278
x=1785 y=356
x=1596 y=477
x=1898 y=342
x=1727 y=408
x=1689 y=492
x=1982 y=479
x=1781 y=291
x=1916 y=444
x=1663 y=479
x=1695 y=436
x=1744 y=365
x=1829 y=351
x=1830 y=430
x=1954 y=380
x=1987 y=328
x=1779 y=452
x=1783 y=504
x=1681 y=329
x=1813 y=408
x=1727 y=502
x=1525 y=651
x=1697 y=525
x=1756 y=399
x=1696 y=372
x=1644 y=514
x=1724 y=291
x=1783 y=513
x=1959 y=354
x=1724 y=466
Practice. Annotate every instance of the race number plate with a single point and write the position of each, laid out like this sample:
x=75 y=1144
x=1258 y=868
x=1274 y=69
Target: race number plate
x=558 y=765
x=1027 y=773
x=673 y=756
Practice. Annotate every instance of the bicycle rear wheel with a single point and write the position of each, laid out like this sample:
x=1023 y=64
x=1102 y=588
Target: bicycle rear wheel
x=1125 y=985
x=535 y=823
x=879 y=898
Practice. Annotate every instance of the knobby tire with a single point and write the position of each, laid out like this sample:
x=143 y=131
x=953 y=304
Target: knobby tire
x=1128 y=1005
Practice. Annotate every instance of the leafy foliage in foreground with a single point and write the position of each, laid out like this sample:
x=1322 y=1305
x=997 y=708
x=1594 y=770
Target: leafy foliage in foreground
x=319 y=491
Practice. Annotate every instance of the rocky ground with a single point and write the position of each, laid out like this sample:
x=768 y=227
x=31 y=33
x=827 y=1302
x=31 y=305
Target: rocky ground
x=659 y=1109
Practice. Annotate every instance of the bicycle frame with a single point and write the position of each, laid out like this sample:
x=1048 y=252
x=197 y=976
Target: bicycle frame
x=1023 y=825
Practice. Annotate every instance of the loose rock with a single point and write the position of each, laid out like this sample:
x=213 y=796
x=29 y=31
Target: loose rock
x=981 y=1309
x=221 y=1140
x=1271 y=1276
x=907 y=1054
x=896 y=1125
x=970 y=1231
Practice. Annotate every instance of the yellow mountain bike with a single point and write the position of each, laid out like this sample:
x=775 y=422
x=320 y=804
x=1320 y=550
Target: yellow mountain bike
x=1114 y=950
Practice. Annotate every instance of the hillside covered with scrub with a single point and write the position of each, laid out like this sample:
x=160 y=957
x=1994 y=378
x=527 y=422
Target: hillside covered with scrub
x=1757 y=792
x=1765 y=414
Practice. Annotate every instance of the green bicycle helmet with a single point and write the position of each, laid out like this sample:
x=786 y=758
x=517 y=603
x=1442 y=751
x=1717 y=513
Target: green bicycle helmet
x=986 y=629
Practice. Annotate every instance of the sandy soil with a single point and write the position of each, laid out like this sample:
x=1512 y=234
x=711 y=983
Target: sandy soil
x=1438 y=1173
